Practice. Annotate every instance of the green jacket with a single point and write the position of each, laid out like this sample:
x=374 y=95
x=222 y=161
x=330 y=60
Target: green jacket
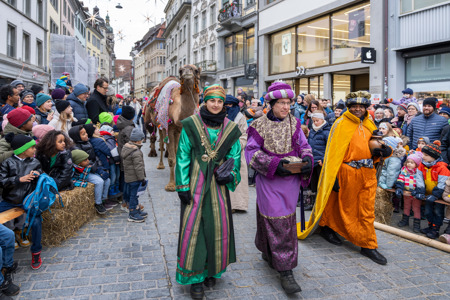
x=5 y=148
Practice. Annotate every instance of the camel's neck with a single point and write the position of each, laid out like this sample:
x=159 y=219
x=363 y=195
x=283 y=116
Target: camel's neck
x=189 y=101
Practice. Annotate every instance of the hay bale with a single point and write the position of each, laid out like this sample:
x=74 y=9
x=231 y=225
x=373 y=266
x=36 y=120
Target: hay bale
x=383 y=206
x=64 y=222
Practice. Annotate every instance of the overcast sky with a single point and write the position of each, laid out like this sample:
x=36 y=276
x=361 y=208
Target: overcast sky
x=131 y=20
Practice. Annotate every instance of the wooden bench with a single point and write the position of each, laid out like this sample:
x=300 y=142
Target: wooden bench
x=409 y=194
x=11 y=214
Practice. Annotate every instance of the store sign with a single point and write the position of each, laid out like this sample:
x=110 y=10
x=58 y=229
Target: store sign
x=368 y=55
x=376 y=99
x=299 y=71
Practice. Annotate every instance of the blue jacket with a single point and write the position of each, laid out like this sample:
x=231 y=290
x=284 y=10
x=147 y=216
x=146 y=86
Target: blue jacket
x=41 y=117
x=318 y=142
x=429 y=126
x=78 y=107
x=101 y=151
x=391 y=169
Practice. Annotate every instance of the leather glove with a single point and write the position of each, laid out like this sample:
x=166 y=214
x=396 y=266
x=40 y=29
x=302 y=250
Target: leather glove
x=399 y=193
x=431 y=198
x=383 y=152
x=420 y=196
x=281 y=171
x=306 y=170
x=185 y=197
x=224 y=180
x=336 y=186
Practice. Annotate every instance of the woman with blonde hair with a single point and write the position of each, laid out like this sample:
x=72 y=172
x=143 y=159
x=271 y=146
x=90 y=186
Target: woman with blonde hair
x=65 y=119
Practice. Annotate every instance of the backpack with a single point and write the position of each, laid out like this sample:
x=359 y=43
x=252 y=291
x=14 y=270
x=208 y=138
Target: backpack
x=40 y=200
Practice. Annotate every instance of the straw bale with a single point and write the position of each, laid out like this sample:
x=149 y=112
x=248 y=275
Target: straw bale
x=383 y=206
x=64 y=222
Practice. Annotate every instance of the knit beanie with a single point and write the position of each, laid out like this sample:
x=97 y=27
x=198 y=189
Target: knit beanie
x=430 y=101
x=105 y=117
x=408 y=91
x=128 y=112
x=318 y=115
x=39 y=131
x=432 y=149
x=402 y=106
x=18 y=117
x=415 y=105
x=119 y=96
x=36 y=88
x=424 y=139
x=137 y=135
x=78 y=156
x=340 y=105
x=79 y=89
x=90 y=129
x=16 y=82
x=118 y=112
x=41 y=98
x=391 y=142
x=416 y=157
x=58 y=94
x=29 y=109
x=445 y=110
x=115 y=119
x=19 y=142
x=279 y=90
x=26 y=93
x=62 y=105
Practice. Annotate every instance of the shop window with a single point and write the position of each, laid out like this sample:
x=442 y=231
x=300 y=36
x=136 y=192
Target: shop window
x=314 y=43
x=26 y=47
x=228 y=52
x=239 y=48
x=350 y=32
x=341 y=87
x=412 y=5
x=11 y=41
x=314 y=86
x=304 y=86
x=251 y=45
x=428 y=68
x=282 y=51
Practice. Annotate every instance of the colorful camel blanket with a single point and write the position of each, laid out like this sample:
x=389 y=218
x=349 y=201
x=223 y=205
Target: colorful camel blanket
x=163 y=102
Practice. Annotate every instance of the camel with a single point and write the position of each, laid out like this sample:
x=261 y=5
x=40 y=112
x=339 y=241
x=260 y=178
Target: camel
x=185 y=104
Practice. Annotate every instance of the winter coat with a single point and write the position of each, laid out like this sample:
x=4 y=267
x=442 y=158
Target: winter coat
x=6 y=150
x=435 y=182
x=61 y=171
x=133 y=162
x=301 y=109
x=445 y=145
x=78 y=107
x=391 y=169
x=95 y=105
x=111 y=143
x=407 y=181
x=429 y=126
x=11 y=170
x=57 y=124
x=404 y=100
x=125 y=128
x=295 y=112
x=86 y=146
x=41 y=117
x=101 y=151
x=318 y=142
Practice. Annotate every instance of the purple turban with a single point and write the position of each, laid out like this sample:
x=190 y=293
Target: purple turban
x=279 y=90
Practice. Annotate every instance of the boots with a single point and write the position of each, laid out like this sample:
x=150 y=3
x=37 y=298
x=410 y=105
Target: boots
x=288 y=282
x=434 y=232
x=197 y=291
x=374 y=255
x=404 y=222
x=416 y=225
x=22 y=242
x=428 y=229
x=8 y=288
x=329 y=234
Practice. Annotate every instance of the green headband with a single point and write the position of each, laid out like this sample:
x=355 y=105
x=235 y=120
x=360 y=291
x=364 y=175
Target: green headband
x=213 y=97
x=25 y=147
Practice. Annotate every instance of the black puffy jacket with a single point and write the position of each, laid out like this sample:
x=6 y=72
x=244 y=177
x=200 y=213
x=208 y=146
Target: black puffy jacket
x=86 y=146
x=11 y=170
x=61 y=171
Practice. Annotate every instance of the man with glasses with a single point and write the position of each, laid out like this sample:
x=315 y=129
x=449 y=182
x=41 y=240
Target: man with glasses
x=274 y=140
x=77 y=100
x=96 y=104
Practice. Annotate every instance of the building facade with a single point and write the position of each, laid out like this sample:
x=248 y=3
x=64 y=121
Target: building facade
x=204 y=39
x=23 y=52
x=322 y=47
x=177 y=35
x=419 y=48
x=237 y=47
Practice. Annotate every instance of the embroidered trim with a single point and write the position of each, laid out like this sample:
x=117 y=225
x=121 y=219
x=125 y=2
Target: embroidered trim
x=235 y=178
x=179 y=187
x=273 y=218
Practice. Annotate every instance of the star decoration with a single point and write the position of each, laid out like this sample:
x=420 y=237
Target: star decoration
x=120 y=36
x=121 y=68
x=148 y=18
x=92 y=19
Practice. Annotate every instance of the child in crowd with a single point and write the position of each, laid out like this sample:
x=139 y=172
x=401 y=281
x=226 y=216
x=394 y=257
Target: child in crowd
x=65 y=119
x=317 y=139
x=386 y=129
x=134 y=170
x=125 y=125
x=107 y=133
x=408 y=180
x=101 y=149
x=422 y=142
x=80 y=137
x=434 y=172
x=83 y=175
x=18 y=178
x=44 y=113
x=393 y=164
x=56 y=160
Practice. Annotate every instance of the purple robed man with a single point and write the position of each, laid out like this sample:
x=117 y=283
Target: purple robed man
x=273 y=140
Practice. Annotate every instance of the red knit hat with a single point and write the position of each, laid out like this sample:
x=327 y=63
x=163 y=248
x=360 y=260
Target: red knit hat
x=28 y=108
x=18 y=117
x=119 y=96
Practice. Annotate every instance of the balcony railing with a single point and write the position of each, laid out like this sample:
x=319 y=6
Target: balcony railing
x=229 y=11
x=207 y=65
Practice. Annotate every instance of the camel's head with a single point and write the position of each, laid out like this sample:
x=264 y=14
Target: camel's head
x=190 y=75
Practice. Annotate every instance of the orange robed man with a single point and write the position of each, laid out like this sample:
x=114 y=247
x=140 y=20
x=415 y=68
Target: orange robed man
x=345 y=201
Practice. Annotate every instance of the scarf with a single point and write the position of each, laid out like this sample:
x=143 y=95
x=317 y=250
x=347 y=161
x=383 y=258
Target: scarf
x=32 y=104
x=317 y=128
x=272 y=117
x=210 y=119
x=232 y=112
x=430 y=164
x=408 y=118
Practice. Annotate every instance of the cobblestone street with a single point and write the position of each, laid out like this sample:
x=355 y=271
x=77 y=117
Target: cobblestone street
x=111 y=258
